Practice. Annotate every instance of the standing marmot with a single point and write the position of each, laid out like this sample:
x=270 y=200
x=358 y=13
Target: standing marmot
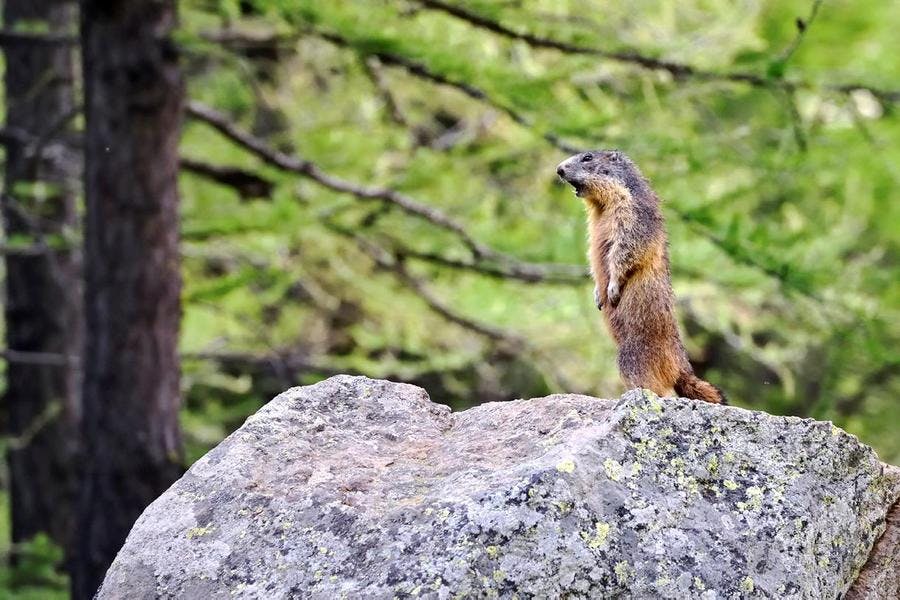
x=630 y=264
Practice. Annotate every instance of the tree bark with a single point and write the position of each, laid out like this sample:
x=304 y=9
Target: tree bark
x=133 y=103
x=43 y=292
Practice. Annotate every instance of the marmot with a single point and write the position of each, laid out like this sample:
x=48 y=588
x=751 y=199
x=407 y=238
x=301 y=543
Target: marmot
x=630 y=264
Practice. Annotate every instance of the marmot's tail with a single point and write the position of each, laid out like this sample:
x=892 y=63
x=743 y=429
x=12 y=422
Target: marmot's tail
x=691 y=386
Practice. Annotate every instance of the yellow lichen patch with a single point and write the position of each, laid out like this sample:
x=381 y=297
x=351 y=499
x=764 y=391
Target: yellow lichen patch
x=730 y=485
x=613 y=469
x=754 y=494
x=566 y=466
x=599 y=536
x=698 y=584
x=622 y=571
x=712 y=465
x=492 y=551
x=747 y=584
x=195 y=532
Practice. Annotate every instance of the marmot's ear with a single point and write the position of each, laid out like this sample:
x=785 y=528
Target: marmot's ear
x=614 y=156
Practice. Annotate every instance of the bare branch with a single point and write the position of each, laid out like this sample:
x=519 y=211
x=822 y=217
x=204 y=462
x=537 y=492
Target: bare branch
x=264 y=45
x=246 y=183
x=516 y=270
x=311 y=171
x=21 y=38
x=48 y=359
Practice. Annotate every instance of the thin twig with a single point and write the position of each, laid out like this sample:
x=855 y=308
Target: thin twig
x=51 y=412
x=802 y=28
x=372 y=68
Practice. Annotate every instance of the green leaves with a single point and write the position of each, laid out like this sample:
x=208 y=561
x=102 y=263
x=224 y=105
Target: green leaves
x=784 y=261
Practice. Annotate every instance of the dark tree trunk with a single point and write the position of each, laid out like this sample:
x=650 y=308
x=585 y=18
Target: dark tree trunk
x=133 y=104
x=43 y=293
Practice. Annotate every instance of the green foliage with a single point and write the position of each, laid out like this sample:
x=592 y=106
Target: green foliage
x=784 y=232
x=37 y=575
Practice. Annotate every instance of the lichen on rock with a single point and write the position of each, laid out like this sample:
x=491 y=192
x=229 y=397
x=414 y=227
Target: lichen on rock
x=362 y=488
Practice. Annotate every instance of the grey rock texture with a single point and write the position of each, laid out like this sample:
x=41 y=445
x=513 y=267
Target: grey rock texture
x=357 y=488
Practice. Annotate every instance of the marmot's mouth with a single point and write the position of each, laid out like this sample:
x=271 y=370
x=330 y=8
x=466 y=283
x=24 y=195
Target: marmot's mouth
x=579 y=189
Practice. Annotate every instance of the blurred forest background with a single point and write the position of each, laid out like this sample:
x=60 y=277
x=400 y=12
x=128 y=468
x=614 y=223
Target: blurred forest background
x=368 y=187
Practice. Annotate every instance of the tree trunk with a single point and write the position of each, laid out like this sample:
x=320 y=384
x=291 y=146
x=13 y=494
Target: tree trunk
x=133 y=104
x=43 y=291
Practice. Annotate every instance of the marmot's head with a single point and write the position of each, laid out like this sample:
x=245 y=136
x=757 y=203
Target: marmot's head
x=597 y=174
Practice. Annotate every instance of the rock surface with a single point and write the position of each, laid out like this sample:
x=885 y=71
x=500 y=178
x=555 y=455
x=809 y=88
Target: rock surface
x=358 y=488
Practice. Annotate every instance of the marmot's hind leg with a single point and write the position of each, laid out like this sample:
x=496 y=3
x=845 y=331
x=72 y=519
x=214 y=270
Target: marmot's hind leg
x=636 y=371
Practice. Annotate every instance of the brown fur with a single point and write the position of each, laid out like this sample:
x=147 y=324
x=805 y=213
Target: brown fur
x=628 y=246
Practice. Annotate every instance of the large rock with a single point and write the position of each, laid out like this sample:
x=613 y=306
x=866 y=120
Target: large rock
x=356 y=488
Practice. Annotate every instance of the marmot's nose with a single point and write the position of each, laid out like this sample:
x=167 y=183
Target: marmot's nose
x=561 y=171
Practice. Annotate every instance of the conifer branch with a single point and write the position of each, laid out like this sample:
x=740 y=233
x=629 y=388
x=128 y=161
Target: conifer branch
x=311 y=171
x=678 y=70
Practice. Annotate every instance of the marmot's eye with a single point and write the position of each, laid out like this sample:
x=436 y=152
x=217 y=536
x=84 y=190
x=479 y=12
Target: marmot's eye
x=587 y=158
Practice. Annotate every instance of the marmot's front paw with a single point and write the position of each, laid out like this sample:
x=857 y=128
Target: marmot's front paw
x=613 y=293
x=598 y=299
